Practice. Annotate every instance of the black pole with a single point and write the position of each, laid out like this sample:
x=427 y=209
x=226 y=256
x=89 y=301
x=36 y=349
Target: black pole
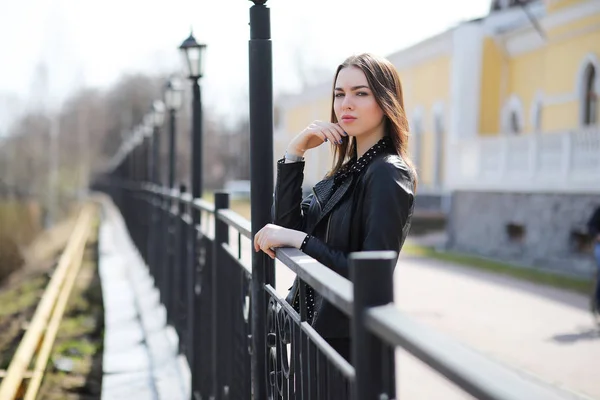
x=156 y=155
x=372 y=276
x=196 y=148
x=222 y=351
x=172 y=143
x=261 y=178
x=154 y=217
x=171 y=274
x=180 y=260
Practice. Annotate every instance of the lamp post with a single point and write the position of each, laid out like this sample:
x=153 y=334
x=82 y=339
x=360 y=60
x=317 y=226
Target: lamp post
x=173 y=100
x=193 y=55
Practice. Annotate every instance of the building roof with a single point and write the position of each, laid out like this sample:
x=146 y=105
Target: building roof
x=498 y=5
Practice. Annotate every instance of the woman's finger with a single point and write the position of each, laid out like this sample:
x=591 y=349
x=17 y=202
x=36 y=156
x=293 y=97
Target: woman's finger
x=328 y=135
x=337 y=136
x=257 y=239
x=318 y=131
x=340 y=130
x=270 y=253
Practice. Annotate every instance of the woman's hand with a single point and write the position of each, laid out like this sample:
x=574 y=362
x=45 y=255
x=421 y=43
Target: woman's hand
x=315 y=135
x=273 y=236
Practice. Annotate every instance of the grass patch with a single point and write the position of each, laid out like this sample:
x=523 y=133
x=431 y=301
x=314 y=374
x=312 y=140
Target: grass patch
x=79 y=340
x=524 y=273
x=21 y=297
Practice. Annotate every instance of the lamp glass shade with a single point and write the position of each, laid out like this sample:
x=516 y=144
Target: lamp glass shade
x=173 y=95
x=193 y=56
x=158 y=113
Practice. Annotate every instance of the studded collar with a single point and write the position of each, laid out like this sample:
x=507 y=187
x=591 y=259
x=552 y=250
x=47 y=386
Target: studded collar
x=354 y=166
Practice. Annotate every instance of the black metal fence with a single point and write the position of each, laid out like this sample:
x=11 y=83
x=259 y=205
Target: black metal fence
x=205 y=283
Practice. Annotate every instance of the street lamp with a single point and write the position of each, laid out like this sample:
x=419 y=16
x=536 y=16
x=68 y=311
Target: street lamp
x=173 y=100
x=158 y=113
x=193 y=55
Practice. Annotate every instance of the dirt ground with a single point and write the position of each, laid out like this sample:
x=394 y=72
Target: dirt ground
x=75 y=367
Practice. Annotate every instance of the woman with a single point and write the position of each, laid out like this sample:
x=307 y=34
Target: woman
x=594 y=231
x=364 y=203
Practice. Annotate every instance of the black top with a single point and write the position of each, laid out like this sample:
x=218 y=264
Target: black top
x=594 y=223
x=353 y=167
x=369 y=209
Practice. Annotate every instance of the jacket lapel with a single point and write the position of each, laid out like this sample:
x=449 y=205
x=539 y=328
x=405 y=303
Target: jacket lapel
x=322 y=188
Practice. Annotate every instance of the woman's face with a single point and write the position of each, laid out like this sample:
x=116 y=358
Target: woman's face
x=354 y=104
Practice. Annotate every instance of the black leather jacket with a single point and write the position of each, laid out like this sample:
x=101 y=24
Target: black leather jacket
x=370 y=210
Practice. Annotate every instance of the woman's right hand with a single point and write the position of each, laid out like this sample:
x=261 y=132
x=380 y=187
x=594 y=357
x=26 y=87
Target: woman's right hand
x=314 y=135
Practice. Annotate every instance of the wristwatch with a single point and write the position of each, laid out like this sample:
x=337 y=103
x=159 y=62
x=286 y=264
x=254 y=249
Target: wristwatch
x=293 y=157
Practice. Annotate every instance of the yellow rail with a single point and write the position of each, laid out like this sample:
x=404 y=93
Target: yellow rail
x=45 y=323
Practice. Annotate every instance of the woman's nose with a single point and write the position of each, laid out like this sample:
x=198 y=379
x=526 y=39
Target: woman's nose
x=347 y=103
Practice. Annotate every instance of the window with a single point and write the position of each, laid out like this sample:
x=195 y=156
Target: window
x=515 y=233
x=581 y=242
x=590 y=97
x=515 y=128
x=512 y=116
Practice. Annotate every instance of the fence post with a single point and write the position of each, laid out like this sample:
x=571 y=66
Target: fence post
x=174 y=259
x=261 y=178
x=221 y=305
x=181 y=257
x=165 y=258
x=373 y=360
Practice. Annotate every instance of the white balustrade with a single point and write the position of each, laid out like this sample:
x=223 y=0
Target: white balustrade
x=559 y=162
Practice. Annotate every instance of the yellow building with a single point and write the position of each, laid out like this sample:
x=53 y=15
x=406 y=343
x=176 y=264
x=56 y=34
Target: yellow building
x=502 y=106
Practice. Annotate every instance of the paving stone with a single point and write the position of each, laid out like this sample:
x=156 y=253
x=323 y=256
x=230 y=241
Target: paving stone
x=119 y=315
x=125 y=335
x=128 y=386
x=133 y=358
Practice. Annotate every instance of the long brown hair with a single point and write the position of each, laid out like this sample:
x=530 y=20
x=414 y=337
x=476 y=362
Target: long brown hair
x=385 y=84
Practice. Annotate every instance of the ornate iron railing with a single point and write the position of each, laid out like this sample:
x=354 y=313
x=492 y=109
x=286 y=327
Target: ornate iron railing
x=205 y=282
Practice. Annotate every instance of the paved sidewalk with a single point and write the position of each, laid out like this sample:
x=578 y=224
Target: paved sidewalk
x=140 y=350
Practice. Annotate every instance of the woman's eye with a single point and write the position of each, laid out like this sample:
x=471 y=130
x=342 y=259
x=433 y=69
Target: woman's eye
x=339 y=94
x=362 y=94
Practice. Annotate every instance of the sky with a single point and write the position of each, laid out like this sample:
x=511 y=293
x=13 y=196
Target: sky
x=84 y=43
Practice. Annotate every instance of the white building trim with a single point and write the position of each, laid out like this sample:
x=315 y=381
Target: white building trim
x=511 y=19
x=438 y=122
x=536 y=111
x=570 y=14
x=416 y=129
x=433 y=47
x=523 y=38
x=465 y=81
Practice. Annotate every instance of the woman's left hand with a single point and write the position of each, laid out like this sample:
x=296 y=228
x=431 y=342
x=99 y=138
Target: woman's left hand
x=273 y=236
